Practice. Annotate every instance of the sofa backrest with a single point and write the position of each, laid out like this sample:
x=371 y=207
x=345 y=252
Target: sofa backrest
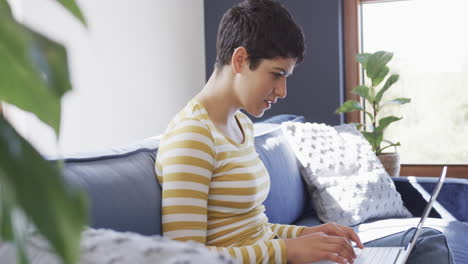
x=288 y=197
x=125 y=196
x=122 y=188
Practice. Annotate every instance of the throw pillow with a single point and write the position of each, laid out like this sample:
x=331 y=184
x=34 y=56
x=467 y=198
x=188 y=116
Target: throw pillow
x=108 y=246
x=346 y=180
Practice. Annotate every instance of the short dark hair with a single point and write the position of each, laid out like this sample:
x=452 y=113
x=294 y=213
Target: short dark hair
x=264 y=28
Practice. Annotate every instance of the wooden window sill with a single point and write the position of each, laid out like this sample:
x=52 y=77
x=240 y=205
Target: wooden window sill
x=434 y=170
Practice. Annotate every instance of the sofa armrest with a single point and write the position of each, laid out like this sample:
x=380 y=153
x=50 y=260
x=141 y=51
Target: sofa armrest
x=452 y=199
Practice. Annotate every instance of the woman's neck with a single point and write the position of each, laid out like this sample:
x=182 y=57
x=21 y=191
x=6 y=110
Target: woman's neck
x=219 y=99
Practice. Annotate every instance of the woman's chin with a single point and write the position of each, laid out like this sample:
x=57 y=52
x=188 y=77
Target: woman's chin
x=258 y=114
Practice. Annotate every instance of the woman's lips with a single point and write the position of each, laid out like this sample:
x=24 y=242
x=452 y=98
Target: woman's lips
x=267 y=104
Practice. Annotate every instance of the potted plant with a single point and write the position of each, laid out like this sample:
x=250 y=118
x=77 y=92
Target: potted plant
x=34 y=77
x=376 y=69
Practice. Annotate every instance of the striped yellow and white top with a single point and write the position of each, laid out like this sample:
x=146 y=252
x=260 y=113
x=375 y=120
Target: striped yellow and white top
x=213 y=189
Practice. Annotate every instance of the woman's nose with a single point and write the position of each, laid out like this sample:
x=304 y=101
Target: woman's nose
x=281 y=90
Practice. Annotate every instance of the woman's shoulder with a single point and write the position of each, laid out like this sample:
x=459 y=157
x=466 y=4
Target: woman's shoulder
x=187 y=133
x=191 y=114
x=190 y=124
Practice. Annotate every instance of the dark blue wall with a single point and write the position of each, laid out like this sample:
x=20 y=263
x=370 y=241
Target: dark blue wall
x=316 y=88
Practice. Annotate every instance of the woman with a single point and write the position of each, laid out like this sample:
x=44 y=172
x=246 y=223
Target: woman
x=212 y=179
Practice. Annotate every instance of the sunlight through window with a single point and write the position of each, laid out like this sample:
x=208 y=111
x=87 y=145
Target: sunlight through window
x=430 y=46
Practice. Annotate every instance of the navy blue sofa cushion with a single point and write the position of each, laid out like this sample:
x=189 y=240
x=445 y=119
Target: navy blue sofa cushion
x=121 y=185
x=286 y=200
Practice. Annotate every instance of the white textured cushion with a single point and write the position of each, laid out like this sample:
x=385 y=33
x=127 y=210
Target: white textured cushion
x=111 y=247
x=347 y=182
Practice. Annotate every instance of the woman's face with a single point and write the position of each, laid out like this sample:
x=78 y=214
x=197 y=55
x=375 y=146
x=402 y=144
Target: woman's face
x=260 y=88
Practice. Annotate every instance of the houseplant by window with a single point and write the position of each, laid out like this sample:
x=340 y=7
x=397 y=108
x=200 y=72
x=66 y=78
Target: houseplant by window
x=376 y=70
x=34 y=77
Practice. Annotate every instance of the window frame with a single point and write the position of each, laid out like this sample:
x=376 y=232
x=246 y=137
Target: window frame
x=351 y=38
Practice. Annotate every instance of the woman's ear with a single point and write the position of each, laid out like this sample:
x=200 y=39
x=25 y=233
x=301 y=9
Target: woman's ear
x=239 y=59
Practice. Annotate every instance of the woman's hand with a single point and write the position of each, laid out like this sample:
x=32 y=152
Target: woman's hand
x=334 y=229
x=319 y=246
x=329 y=241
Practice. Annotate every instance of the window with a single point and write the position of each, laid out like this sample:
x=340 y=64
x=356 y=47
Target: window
x=431 y=55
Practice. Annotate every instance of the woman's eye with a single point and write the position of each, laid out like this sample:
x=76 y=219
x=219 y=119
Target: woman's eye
x=277 y=75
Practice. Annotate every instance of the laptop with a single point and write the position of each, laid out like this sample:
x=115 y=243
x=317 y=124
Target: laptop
x=396 y=255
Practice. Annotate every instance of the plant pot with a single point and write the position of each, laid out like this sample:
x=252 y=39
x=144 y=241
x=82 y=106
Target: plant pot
x=391 y=163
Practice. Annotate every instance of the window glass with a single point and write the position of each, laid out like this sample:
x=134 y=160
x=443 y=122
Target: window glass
x=429 y=40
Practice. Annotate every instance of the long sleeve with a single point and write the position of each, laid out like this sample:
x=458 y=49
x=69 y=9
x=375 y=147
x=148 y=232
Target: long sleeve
x=271 y=251
x=185 y=164
x=286 y=231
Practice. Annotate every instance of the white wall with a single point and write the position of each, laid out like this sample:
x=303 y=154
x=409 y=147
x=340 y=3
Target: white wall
x=135 y=66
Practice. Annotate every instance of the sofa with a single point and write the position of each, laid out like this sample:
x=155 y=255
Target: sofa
x=125 y=195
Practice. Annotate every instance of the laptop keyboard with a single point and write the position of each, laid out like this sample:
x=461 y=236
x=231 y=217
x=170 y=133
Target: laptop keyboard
x=376 y=255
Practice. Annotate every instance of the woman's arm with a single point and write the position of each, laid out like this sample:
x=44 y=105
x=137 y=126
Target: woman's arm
x=286 y=231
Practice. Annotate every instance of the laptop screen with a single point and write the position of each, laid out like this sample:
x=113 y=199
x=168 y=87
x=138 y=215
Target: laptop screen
x=428 y=208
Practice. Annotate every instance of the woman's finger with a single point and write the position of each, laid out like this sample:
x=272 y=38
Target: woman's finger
x=353 y=236
x=335 y=258
x=349 y=233
x=341 y=246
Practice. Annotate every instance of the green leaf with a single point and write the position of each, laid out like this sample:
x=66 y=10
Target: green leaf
x=380 y=76
x=378 y=142
x=363 y=91
x=50 y=58
x=369 y=136
x=390 y=81
x=21 y=251
x=73 y=8
x=57 y=210
x=358 y=125
x=399 y=101
x=12 y=221
x=376 y=64
x=349 y=106
x=6 y=227
x=371 y=116
x=390 y=145
x=384 y=122
x=18 y=221
x=375 y=139
x=383 y=57
x=390 y=142
x=362 y=58
x=33 y=70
